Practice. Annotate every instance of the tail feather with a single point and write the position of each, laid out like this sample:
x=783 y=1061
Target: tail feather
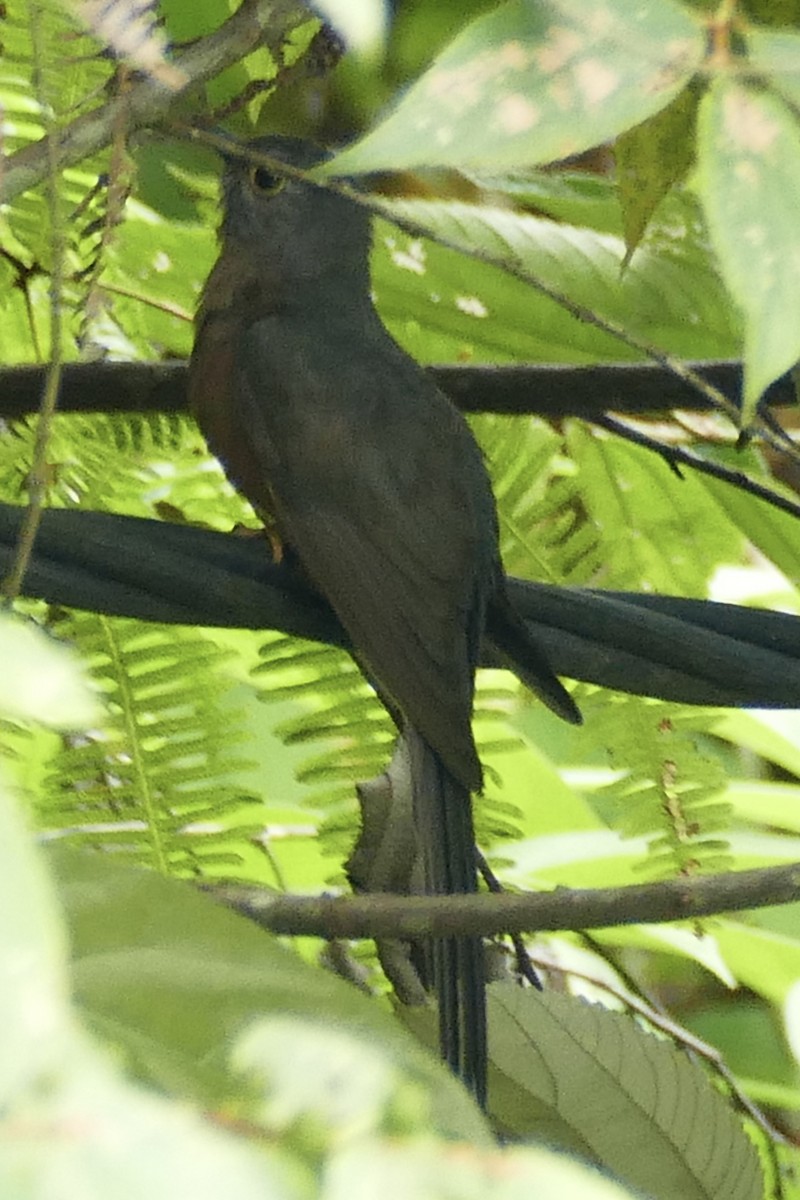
x=443 y=816
x=507 y=632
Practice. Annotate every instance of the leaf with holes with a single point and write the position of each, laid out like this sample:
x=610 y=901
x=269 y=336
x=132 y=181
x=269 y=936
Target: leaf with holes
x=532 y=83
x=749 y=180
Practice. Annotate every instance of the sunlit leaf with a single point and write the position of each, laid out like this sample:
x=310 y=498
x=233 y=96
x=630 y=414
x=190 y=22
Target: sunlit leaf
x=529 y=84
x=749 y=179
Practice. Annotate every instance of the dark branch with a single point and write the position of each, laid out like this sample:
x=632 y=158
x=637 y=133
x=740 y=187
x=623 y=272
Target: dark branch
x=543 y=389
x=488 y=915
x=689 y=651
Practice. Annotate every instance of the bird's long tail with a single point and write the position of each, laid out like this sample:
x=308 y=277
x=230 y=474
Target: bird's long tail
x=443 y=817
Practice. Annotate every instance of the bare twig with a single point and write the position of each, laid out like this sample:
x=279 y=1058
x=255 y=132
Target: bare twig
x=461 y=916
x=678 y=456
x=255 y=23
x=37 y=482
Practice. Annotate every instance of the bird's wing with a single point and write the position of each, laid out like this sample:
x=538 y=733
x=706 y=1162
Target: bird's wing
x=383 y=496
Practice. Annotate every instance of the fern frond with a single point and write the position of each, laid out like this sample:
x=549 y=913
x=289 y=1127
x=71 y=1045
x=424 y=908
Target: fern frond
x=168 y=757
x=544 y=530
x=340 y=707
x=56 y=74
x=669 y=790
x=123 y=462
x=657 y=531
x=70 y=74
x=344 y=711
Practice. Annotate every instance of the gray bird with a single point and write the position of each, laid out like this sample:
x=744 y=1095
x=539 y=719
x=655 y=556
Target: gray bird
x=380 y=494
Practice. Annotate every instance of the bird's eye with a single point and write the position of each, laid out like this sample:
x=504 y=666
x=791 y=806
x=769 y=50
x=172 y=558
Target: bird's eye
x=266 y=181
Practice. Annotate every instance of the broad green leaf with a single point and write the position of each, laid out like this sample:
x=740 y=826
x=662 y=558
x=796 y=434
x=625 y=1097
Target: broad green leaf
x=772 y=735
x=791 y=1016
x=443 y=306
x=775 y=54
x=33 y=960
x=399 y=1170
x=87 y=1132
x=574 y=197
x=766 y=962
x=298 y=1068
x=748 y=179
x=70 y=1124
x=776 y=534
x=532 y=83
x=545 y=804
x=766 y=803
x=42 y=679
x=650 y=158
x=573 y=1073
x=172 y=976
x=681 y=941
x=155 y=268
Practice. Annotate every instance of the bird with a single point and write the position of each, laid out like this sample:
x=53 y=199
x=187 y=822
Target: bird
x=380 y=496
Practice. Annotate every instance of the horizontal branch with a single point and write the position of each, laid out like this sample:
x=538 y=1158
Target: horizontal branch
x=543 y=389
x=689 y=651
x=486 y=916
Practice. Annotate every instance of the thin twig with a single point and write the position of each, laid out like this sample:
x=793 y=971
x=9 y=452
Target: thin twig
x=525 y=967
x=37 y=483
x=678 y=456
x=165 y=306
x=255 y=23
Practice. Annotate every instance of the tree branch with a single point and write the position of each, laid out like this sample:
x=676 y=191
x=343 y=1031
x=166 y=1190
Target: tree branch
x=255 y=23
x=542 y=389
x=689 y=651
x=487 y=915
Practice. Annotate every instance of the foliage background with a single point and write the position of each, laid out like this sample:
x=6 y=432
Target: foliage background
x=233 y=754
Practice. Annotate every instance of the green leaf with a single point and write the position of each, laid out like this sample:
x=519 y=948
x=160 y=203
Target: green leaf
x=33 y=960
x=70 y=1124
x=42 y=679
x=88 y=1132
x=774 y=736
x=777 y=56
x=650 y=158
x=765 y=962
x=298 y=1068
x=591 y=1079
x=776 y=534
x=442 y=306
x=529 y=84
x=765 y=804
x=173 y=977
x=398 y=1170
x=749 y=179
x=572 y=197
